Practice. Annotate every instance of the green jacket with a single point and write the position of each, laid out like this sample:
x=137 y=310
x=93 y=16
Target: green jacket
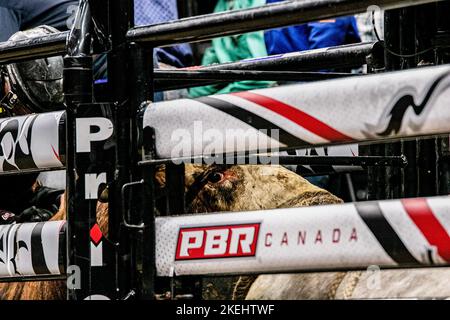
x=234 y=48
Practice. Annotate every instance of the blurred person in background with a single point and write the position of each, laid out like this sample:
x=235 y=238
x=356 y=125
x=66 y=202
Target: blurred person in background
x=148 y=12
x=17 y=15
x=308 y=36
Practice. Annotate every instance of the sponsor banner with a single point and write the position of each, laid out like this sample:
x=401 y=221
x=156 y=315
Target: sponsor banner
x=397 y=233
x=369 y=108
x=31 y=142
x=217 y=242
x=32 y=249
x=94 y=151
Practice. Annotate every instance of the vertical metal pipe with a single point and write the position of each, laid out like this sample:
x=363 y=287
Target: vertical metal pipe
x=406 y=46
x=442 y=56
x=392 y=39
x=175 y=189
x=428 y=150
x=390 y=182
x=121 y=20
x=78 y=88
x=409 y=180
x=442 y=32
x=142 y=74
x=378 y=178
x=444 y=166
x=407 y=37
x=147 y=237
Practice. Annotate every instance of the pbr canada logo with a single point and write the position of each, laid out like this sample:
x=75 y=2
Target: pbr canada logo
x=216 y=242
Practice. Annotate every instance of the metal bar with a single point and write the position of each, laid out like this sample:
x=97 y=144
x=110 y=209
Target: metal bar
x=121 y=19
x=351 y=55
x=444 y=168
x=334 y=57
x=175 y=184
x=28 y=171
x=78 y=89
x=148 y=237
x=142 y=90
x=175 y=205
x=428 y=182
x=346 y=56
x=409 y=174
x=380 y=179
x=92 y=257
x=317 y=172
x=240 y=75
x=33 y=48
x=174 y=79
x=350 y=186
x=286 y=160
x=126 y=203
x=442 y=56
x=265 y=17
x=35 y=278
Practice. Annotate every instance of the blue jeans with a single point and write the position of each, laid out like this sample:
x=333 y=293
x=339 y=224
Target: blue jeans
x=16 y=15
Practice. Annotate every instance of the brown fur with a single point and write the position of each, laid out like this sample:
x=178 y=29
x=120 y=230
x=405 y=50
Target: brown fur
x=240 y=188
x=48 y=290
x=392 y=284
x=252 y=187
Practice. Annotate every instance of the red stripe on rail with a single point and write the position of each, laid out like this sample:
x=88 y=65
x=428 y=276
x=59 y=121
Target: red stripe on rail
x=421 y=214
x=297 y=116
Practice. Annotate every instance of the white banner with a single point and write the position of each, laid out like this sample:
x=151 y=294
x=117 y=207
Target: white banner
x=408 y=232
x=367 y=108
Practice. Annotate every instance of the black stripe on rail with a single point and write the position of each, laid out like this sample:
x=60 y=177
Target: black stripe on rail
x=37 y=251
x=372 y=215
x=62 y=256
x=253 y=120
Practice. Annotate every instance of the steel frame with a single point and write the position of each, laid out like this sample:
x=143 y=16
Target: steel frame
x=130 y=264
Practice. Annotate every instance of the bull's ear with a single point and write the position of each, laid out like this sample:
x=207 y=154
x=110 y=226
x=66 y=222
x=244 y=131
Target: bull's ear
x=160 y=190
x=160 y=176
x=192 y=173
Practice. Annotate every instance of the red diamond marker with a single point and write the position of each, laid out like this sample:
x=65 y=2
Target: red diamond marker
x=96 y=234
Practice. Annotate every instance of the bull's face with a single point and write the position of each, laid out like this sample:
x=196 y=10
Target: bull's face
x=213 y=188
x=248 y=187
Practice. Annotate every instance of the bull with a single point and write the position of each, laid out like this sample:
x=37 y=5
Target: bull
x=244 y=188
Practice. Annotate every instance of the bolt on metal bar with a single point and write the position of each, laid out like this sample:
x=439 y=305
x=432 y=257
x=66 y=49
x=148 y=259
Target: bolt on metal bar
x=265 y=17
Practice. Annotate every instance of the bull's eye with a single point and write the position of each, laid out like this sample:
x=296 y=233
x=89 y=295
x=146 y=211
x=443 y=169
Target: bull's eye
x=215 y=177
